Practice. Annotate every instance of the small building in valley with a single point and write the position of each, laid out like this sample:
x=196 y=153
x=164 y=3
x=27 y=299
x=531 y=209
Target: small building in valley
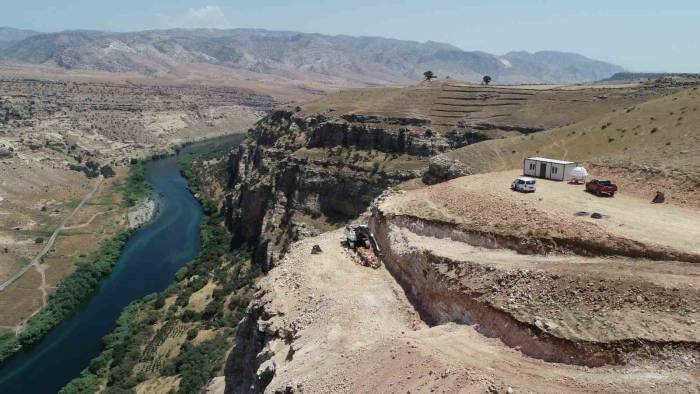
x=541 y=167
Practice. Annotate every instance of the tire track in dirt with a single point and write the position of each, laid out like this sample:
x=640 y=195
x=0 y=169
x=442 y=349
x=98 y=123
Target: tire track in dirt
x=49 y=244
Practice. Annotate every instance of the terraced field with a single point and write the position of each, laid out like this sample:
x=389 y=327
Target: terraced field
x=498 y=110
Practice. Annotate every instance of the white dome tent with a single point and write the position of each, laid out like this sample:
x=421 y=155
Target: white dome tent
x=578 y=175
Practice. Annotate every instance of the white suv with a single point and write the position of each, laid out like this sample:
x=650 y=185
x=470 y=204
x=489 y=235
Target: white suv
x=524 y=184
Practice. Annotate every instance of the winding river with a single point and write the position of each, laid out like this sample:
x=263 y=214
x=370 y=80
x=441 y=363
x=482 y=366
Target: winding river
x=147 y=264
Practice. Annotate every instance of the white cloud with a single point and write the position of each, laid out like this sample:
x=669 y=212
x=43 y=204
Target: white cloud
x=210 y=16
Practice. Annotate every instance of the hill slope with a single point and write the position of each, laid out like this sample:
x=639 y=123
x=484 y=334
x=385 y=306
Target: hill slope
x=357 y=60
x=660 y=135
x=10 y=36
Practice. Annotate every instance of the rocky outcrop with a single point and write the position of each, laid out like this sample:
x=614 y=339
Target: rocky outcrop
x=490 y=126
x=142 y=213
x=442 y=169
x=271 y=183
x=293 y=177
x=243 y=364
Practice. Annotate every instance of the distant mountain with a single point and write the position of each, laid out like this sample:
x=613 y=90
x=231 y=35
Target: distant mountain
x=637 y=77
x=562 y=66
x=10 y=36
x=357 y=60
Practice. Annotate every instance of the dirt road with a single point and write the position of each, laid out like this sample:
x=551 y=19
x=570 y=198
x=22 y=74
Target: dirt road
x=357 y=332
x=49 y=243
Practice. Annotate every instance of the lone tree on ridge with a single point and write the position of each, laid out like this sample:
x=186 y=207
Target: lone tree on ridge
x=429 y=75
x=486 y=80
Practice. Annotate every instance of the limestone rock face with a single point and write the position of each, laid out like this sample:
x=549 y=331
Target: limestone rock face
x=442 y=169
x=277 y=195
x=5 y=153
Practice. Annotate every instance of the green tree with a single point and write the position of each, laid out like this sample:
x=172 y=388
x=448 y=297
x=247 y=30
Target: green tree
x=486 y=80
x=429 y=75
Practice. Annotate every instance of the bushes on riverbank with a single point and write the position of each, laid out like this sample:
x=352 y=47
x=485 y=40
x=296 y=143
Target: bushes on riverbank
x=116 y=368
x=120 y=355
x=73 y=290
x=135 y=187
x=195 y=364
x=133 y=351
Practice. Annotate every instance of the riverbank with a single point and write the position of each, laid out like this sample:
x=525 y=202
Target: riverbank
x=142 y=213
x=178 y=338
x=73 y=291
x=147 y=264
x=77 y=287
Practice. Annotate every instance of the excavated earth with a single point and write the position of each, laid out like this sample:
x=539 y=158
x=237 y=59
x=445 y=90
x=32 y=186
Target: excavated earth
x=480 y=290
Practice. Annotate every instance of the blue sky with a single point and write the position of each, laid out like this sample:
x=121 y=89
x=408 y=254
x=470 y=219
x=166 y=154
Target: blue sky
x=640 y=35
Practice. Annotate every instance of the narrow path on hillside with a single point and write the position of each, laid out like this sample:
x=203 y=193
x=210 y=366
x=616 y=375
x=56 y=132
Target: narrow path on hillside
x=49 y=244
x=42 y=287
x=77 y=226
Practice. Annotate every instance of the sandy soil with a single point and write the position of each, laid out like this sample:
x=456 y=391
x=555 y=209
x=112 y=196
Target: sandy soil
x=357 y=332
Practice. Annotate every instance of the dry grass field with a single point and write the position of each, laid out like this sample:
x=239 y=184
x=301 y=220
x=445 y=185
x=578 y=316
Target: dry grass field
x=453 y=104
x=660 y=136
x=53 y=120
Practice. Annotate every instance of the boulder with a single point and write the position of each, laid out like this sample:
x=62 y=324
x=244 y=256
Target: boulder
x=442 y=169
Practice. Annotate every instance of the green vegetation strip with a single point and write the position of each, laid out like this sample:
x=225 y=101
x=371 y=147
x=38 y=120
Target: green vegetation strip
x=77 y=287
x=73 y=290
x=131 y=357
x=135 y=187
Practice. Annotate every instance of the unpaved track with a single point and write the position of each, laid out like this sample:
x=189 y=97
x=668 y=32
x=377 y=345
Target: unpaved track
x=49 y=243
x=357 y=332
x=89 y=222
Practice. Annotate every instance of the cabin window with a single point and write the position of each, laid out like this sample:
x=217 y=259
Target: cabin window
x=554 y=170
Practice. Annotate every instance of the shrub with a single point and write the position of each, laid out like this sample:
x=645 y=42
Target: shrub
x=196 y=364
x=136 y=187
x=71 y=293
x=106 y=171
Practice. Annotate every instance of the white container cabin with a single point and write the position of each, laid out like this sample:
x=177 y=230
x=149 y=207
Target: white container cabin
x=541 y=167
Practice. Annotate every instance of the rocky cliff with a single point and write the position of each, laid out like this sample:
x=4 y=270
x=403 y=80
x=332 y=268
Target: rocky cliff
x=296 y=176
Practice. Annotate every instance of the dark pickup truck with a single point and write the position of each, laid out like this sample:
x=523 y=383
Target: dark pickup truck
x=601 y=187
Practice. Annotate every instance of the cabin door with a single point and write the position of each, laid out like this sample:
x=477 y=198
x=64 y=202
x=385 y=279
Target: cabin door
x=543 y=170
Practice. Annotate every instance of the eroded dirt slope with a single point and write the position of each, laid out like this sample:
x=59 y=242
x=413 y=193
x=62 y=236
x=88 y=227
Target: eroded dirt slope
x=572 y=289
x=327 y=324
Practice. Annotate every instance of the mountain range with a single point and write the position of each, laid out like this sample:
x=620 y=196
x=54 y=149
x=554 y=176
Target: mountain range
x=290 y=55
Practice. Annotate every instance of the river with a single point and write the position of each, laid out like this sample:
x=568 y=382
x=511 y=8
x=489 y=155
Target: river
x=147 y=265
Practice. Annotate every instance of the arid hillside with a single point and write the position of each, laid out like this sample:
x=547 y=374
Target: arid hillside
x=58 y=135
x=454 y=105
x=481 y=289
x=474 y=287
x=658 y=136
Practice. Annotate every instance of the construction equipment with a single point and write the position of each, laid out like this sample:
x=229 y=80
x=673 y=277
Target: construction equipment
x=360 y=235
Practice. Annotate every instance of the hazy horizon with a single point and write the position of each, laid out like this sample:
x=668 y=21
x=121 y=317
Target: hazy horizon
x=636 y=35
